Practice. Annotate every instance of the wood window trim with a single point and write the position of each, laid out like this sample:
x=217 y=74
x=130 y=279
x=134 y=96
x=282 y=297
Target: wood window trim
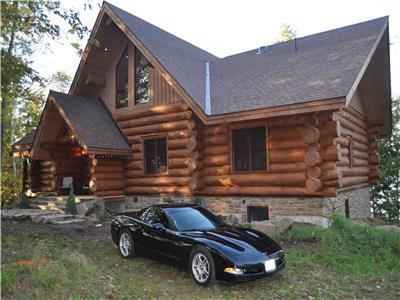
x=233 y=127
x=150 y=137
x=116 y=89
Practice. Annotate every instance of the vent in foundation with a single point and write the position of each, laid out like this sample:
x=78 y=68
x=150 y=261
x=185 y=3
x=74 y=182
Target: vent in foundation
x=257 y=213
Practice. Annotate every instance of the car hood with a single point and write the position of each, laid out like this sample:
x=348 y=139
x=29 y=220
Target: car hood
x=235 y=240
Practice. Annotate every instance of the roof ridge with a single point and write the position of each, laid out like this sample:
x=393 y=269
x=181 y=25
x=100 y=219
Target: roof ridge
x=311 y=35
x=114 y=7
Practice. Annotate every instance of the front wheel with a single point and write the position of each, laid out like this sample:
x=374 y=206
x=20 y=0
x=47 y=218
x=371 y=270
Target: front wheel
x=201 y=266
x=126 y=244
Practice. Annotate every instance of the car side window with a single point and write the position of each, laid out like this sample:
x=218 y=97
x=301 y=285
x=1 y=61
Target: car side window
x=155 y=215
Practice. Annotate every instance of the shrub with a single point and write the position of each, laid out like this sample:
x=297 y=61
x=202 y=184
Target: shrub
x=24 y=201
x=71 y=205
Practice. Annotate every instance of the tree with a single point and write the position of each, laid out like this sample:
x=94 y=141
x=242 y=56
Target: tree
x=287 y=33
x=25 y=25
x=385 y=196
x=60 y=81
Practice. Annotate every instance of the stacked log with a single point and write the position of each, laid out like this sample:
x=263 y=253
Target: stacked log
x=352 y=165
x=107 y=176
x=287 y=171
x=373 y=154
x=48 y=175
x=70 y=167
x=313 y=158
x=176 y=123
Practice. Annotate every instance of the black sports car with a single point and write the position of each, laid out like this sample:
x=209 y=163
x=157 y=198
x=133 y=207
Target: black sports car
x=195 y=238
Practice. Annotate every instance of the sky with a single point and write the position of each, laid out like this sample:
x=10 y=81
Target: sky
x=226 y=27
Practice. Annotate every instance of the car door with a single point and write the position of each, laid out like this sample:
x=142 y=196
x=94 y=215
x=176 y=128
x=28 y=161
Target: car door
x=160 y=241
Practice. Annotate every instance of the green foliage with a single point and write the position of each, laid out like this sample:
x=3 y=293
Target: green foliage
x=287 y=33
x=8 y=279
x=350 y=248
x=49 y=275
x=71 y=205
x=25 y=25
x=60 y=81
x=24 y=201
x=386 y=194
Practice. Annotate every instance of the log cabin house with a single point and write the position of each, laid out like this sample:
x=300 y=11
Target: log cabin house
x=284 y=131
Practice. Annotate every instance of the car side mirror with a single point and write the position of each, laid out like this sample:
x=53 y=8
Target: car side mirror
x=159 y=226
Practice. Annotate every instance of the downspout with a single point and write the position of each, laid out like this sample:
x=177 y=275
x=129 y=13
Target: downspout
x=208 y=90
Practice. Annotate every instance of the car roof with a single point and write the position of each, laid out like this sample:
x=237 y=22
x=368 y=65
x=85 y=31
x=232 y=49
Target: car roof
x=174 y=205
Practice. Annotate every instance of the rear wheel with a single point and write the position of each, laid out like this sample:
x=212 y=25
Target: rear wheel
x=201 y=266
x=126 y=244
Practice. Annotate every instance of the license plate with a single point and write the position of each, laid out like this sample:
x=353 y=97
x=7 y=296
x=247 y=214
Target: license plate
x=270 y=265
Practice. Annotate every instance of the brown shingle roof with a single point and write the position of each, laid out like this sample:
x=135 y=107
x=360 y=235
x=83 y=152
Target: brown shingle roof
x=92 y=122
x=27 y=139
x=324 y=66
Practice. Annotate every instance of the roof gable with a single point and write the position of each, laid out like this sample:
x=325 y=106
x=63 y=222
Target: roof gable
x=89 y=121
x=321 y=67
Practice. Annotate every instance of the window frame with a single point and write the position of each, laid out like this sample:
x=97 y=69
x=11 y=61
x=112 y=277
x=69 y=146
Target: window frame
x=350 y=151
x=150 y=138
x=126 y=49
x=232 y=157
x=134 y=95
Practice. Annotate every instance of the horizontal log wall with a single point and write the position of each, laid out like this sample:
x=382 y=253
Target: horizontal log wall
x=294 y=155
x=72 y=167
x=358 y=163
x=176 y=123
x=107 y=176
x=48 y=176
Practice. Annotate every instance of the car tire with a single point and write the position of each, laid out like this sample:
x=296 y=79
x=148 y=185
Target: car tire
x=126 y=244
x=201 y=261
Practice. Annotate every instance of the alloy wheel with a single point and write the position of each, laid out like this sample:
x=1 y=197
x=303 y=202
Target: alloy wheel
x=200 y=267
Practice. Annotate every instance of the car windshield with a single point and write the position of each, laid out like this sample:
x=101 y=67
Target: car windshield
x=192 y=218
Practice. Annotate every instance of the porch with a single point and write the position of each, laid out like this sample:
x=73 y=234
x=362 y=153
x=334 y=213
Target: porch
x=78 y=144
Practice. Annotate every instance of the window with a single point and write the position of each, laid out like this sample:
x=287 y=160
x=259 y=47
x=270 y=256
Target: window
x=350 y=153
x=257 y=213
x=155 y=152
x=142 y=76
x=249 y=151
x=121 y=95
x=192 y=218
x=155 y=215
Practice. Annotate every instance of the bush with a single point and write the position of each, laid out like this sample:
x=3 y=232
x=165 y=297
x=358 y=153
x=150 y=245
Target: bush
x=71 y=205
x=24 y=201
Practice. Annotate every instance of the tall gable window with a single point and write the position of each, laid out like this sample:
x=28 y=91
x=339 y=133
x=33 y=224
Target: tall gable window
x=155 y=152
x=121 y=97
x=249 y=150
x=142 y=76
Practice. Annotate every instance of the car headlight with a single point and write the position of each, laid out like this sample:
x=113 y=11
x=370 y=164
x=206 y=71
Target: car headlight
x=236 y=271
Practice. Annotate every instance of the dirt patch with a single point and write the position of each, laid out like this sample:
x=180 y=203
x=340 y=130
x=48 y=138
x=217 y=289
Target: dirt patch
x=86 y=230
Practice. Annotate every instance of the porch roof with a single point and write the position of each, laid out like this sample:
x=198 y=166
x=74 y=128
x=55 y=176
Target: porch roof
x=88 y=119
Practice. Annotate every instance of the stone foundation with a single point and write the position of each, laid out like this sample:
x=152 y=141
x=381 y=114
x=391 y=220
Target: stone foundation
x=313 y=210
x=359 y=205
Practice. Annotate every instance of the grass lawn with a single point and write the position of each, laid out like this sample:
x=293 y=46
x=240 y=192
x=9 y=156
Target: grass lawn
x=44 y=262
